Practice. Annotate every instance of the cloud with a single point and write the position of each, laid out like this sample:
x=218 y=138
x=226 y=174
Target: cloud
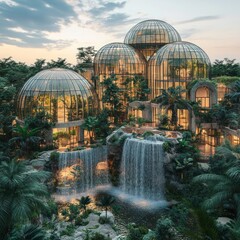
x=188 y=32
x=26 y=23
x=106 y=7
x=199 y=19
x=106 y=16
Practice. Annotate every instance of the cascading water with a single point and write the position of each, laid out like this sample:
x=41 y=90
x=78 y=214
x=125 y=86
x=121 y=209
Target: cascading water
x=142 y=168
x=80 y=170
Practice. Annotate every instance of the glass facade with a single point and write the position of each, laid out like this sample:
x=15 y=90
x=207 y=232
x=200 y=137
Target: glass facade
x=150 y=35
x=119 y=59
x=203 y=96
x=63 y=93
x=176 y=64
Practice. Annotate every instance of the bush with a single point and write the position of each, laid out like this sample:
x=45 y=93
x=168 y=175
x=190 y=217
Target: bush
x=135 y=233
x=69 y=231
x=98 y=236
x=163 y=229
x=79 y=221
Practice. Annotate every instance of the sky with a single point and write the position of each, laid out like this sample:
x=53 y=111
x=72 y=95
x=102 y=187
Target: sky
x=48 y=29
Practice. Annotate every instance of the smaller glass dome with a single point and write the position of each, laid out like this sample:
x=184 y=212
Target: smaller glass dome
x=63 y=93
x=176 y=64
x=120 y=59
x=150 y=35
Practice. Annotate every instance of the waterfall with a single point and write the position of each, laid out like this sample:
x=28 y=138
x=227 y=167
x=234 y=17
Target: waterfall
x=142 y=168
x=80 y=170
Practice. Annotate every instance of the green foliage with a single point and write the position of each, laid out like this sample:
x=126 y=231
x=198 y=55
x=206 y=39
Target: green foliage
x=84 y=201
x=79 y=221
x=164 y=229
x=150 y=236
x=41 y=120
x=206 y=224
x=105 y=201
x=225 y=67
x=112 y=97
x=68 y=231
x=28 y=232
x=147 y=134
x=98 y=236
x=85 y=57
x=22 y=194
x=172 y=99
x=135 y=232
x=226 y=80
x=163 y=121
x=168 y=147
x=26 y=141
x=136 y=89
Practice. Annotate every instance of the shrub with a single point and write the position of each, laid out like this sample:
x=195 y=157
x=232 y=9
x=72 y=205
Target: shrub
x=69 y=230
x=163 y=229
x=79 y=221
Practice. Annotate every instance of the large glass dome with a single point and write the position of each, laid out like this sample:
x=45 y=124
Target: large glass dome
x=176 y=64
x=150 y=35
x=119 y=59
x=63 y=93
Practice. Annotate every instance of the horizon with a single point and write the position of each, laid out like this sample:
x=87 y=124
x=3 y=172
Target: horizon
x=51 y=29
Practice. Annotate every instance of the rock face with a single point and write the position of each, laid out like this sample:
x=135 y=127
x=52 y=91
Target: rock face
x=39 y=162
x=110 y=216
x=92 y=227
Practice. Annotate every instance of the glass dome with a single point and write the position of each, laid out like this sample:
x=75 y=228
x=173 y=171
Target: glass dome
x=176 y=64
x=119 y=59
x=63 y=93
x=150 y=35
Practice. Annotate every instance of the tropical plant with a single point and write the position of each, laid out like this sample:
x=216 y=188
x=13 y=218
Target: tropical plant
x=90 y=124
x=173 y=100
x=28 y=232
x=112 y=97
x=26 y=140
x=105 y=201
x=22 y=194
x=225 y=67
x=136 y=89
x=225 y=189
x=164 y=229
x=84 y=201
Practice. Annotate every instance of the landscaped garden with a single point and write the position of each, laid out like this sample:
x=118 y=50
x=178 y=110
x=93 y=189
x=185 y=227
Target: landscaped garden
x=46 y=194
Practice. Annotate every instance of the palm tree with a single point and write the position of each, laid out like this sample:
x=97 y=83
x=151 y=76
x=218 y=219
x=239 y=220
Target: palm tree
x=225 y=189
x=172 y=100
x=22 y=194
x=105 y=201
x=84 y=201
x=26 y=138
x=28 y=232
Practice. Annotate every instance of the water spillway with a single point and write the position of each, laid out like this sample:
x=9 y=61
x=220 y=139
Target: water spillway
x=142 y=168
x=83 y=170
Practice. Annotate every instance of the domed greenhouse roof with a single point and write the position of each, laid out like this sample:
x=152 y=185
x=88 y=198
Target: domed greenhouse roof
x=148 y=36
x=119 y=58
x=63 y=93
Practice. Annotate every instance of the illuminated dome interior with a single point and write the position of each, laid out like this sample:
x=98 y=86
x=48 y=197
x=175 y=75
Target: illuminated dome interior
x=150 y=35
x=63 y=93
x=177 y=64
